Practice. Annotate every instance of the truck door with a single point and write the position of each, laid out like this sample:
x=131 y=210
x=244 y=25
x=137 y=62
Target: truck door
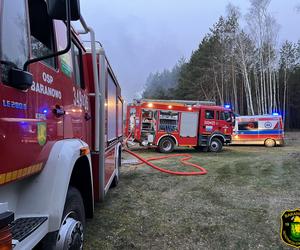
x=207 y=121
x=224 y=122
x=28 y=126
x=47 y=86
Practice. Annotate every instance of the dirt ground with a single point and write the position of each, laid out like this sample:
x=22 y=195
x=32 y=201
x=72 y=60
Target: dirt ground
x=237 y=205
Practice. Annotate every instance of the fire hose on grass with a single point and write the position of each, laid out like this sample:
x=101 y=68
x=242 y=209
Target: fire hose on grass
x=183 y=160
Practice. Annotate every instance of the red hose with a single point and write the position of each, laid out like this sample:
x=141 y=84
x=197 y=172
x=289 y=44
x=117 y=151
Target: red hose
x=184 y=161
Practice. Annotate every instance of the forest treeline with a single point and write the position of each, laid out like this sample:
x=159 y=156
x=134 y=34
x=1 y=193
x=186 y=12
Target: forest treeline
x=241 y=66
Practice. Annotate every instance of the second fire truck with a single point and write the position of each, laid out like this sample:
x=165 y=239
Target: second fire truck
x=166 y=124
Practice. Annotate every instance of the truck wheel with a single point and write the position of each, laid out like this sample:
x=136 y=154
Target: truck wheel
x=116 y=179
x=215 y=145
x=166 y=145
x=70 y=235
x=270 y=143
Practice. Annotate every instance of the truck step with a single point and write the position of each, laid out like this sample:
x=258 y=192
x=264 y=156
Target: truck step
x=23 y=227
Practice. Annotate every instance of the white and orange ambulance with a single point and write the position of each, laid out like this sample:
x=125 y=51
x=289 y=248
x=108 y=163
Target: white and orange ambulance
x=260 y=129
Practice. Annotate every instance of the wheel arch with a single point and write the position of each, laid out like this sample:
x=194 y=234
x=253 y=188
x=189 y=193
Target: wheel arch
x=81 y=179
x=118 y=159
x=168 y=135
x=119 y=152
x=46 y=192
x=219 y=136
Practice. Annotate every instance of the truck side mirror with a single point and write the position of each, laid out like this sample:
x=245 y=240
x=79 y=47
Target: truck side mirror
x=57 y=9
x=20 y=79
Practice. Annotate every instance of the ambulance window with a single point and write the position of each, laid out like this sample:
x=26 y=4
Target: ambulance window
x=14 y=41
x=209 y=114
x=77 y=65
x=42 y=35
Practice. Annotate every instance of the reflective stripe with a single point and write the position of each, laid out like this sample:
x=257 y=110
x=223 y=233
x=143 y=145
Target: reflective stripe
x=260 y=132
x=21 y=173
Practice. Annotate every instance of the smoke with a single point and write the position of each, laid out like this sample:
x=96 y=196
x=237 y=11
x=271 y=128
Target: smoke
x=141 y=37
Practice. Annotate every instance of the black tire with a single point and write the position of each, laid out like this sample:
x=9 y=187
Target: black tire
x=166 y=145
x=215 y=145
x=270 y=143
x=74 y=205
x=116 y=178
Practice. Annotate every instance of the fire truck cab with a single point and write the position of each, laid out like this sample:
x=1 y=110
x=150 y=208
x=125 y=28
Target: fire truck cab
x=60 y=125
x=167 y=123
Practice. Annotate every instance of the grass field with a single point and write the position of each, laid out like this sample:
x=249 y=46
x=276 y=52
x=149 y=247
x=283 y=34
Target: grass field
x=237 y=205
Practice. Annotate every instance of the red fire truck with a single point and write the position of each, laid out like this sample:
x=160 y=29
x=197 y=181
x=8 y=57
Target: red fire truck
x=60 y=125
x=170 y=123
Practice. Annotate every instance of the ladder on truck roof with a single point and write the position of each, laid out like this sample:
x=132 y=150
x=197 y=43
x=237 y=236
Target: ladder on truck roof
x=186 y=102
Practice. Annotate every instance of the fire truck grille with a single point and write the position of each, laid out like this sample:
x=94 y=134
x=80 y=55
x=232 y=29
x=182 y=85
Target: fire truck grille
x=23 y=227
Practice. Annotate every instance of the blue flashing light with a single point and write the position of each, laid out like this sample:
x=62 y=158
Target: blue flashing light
x=275 y=114
x=227 y=106
x=45 y=111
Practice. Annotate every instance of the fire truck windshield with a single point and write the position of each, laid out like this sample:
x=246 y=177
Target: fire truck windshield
x=14 y=42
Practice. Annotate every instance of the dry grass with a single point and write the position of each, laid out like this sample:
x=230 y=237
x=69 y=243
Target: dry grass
x=237 y=205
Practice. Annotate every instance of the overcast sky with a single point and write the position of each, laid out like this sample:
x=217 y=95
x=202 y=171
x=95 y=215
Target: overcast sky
x=142 y=36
